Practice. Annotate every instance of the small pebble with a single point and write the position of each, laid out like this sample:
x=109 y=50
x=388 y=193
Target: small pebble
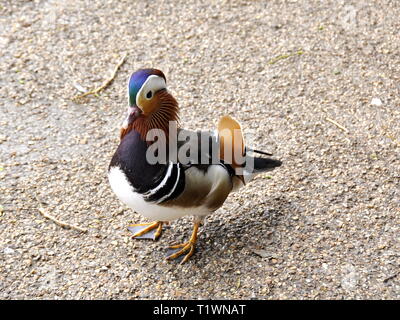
x=376 y=102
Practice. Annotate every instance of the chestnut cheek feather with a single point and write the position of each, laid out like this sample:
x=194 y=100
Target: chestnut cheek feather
x=147 y=106
x=157 y=113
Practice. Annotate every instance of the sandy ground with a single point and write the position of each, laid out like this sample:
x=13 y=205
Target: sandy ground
x=324 y=225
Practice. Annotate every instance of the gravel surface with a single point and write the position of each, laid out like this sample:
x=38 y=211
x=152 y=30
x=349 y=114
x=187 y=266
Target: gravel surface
x=315 y=82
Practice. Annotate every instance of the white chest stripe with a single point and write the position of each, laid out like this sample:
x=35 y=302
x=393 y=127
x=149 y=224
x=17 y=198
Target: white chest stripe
x=173 y=189
x=162 y=183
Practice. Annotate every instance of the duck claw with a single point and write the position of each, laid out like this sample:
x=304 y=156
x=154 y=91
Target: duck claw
x=177 y=252
x=179 y=258
x=150 y=231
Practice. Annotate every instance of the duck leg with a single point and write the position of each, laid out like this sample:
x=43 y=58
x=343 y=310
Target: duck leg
x=187 y=247
x=150 y=230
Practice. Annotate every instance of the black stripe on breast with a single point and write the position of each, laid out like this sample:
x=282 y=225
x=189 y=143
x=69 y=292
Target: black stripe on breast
x=180 y=184
x=169 y=188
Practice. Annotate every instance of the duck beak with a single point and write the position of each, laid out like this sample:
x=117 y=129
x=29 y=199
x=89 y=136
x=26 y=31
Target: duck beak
x=133 y=113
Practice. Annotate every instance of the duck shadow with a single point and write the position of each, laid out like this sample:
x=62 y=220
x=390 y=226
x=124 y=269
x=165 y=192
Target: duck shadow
x=254 y=229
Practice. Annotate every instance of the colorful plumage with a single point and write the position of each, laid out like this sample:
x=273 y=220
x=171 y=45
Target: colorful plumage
x=197 y=172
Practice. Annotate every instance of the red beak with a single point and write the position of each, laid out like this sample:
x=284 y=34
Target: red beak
x=133 y=113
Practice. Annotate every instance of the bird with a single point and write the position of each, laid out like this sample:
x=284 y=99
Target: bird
x=165 y=172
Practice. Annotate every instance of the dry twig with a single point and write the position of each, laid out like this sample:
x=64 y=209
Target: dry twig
x=285 y=56
x=337 y=124
x=60 y=223
x=105 y=84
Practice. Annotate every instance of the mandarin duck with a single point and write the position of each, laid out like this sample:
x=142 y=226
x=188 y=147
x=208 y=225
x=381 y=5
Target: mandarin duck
x=180 y=173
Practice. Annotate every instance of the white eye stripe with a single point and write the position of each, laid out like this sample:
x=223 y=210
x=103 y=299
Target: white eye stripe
x=153 y=83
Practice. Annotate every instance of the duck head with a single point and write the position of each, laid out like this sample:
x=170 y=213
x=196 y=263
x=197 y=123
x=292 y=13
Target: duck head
x=151 y=106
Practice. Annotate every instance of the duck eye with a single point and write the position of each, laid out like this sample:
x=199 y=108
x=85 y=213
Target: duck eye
x=149 y=95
